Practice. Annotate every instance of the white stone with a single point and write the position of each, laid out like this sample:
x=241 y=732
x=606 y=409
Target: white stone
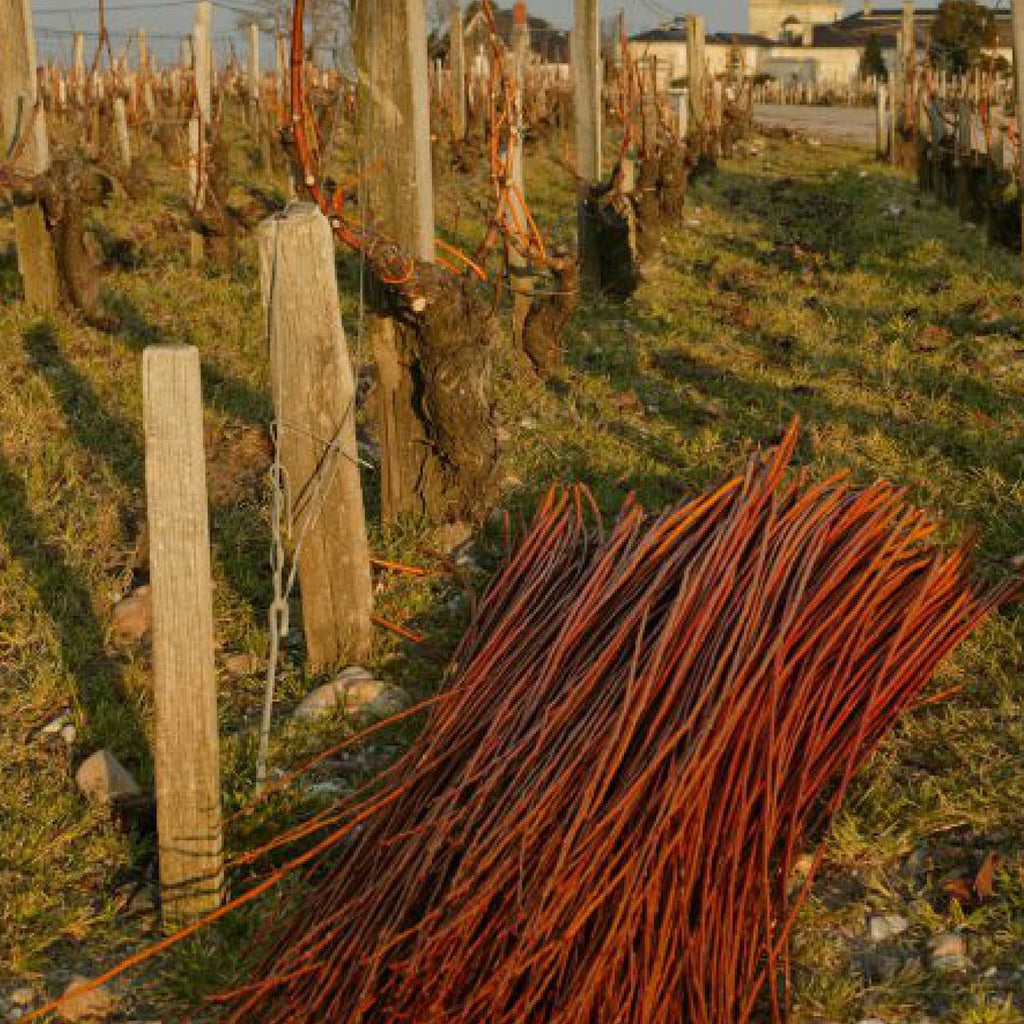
x=133 y=617
x=882 y=927
x=95 y=1005
x=362 y=699
x=68 y=734
x=54 y=727
x=238 y=666
x=948 y=952
x=102 y=777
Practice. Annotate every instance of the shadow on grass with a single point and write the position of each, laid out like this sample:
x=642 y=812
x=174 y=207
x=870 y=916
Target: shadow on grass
x=112 y=720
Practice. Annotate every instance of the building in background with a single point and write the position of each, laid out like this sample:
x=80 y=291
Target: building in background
x=797 y=41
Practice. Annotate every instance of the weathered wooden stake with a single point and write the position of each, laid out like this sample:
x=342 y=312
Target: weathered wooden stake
x=186 y=744
x=23 y=130
x=586 y=72
x=458 y=61
x=882 y=124
x=121 y=131
x=199 y=127
x=696 y=72
x=1018 y=63
x=254 y=65
x=522 y=283
x=203 y=47
x=314 y=406
x=143 y=51
x=391 y=52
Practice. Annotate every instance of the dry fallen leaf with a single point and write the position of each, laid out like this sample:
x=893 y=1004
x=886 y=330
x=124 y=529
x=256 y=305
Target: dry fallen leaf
x=960 y=889
x=984 y=882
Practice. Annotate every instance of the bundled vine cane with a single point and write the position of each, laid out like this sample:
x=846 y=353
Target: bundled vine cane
x=643 y=729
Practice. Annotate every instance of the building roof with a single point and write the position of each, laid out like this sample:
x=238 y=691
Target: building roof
x=675 y=32
x=851 y=31
x=885 y=22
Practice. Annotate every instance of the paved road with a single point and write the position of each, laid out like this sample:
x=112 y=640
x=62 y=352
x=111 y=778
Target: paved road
x=835 y=124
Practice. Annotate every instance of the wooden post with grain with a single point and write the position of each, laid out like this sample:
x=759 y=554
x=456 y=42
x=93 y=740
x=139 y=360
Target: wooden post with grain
x=24 y=144
x=390 y=43
x=124 y=145
x=199 y=124
x=458 y=63
x=522 y=282
x=314 y=407
x=254 y=72
x=586 y=77
x=696 y=73
x=1018 y=63
x=186 y=744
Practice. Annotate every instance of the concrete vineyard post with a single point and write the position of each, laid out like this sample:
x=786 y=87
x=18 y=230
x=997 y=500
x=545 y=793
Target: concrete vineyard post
x=186 y=744
x=23 y=134
x=586 y=74
x=314 y=407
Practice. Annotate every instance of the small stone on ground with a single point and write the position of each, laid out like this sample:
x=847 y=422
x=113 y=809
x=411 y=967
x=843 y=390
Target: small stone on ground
x=102 y=777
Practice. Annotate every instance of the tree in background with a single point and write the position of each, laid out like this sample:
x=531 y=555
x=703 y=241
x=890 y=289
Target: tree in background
x=872 y=62
x=962 y=30
x=326 y=22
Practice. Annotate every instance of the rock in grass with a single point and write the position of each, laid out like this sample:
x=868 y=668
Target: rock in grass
x=133 y=617
x=882 y=927
x=96 y=1005
x=24 y=997
x=102 y=777
x=356 y=693
x=948 y=952
x=239 y=666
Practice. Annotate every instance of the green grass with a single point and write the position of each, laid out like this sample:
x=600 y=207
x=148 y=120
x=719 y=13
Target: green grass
x=789 y=289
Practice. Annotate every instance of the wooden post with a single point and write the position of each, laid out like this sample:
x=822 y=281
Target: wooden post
x=78 y=81
x=121 y=131
x=254 y=64
x=1018 y=63
x=522 y=283
x=199 y=126
x=390 y=42
x=909 y=112
x=203 y=44
x=23 y=130
x=186 y=744
x=281 y=69
x=695 y=70
x=458 y=62
x=882 y=125
x=314 y=406
x=649 y=110
x=143 y=51
x=586 y=72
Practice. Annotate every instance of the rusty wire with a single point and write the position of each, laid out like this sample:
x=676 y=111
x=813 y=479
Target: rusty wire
x=642 y=732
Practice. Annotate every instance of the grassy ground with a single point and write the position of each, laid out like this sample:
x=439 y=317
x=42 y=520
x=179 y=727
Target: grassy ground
x=804 y=281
